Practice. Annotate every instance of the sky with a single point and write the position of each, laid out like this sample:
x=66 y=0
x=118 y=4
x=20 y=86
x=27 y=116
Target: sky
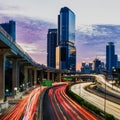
x=97 y=22
x=87 y=11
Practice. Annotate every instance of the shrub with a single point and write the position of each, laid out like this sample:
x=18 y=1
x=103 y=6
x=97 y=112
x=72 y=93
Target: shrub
x=109 y=117
x=86 y=104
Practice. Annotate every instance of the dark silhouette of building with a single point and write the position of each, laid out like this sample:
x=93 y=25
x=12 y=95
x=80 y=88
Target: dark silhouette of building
x=97 y=65
x=10 y=28
x=116 y=61
x=110 y=56
x=51 y=47
x=66 y=40
x=86 y=68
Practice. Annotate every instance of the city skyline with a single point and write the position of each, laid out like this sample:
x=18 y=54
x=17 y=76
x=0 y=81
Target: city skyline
x=90 y=39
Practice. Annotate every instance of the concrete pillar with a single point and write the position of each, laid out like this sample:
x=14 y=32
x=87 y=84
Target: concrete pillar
x=15 y=76
x=26 y=75
x=35 y=76
x=48 y=75
x=60 y=77
x=41 y=75
x=53 y=77
x=2 y=77
x=30 y=77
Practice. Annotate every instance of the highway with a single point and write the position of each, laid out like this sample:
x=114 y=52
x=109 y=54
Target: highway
x=111 y=88
x=58 y=106
x=26 y=108
x=108 y=106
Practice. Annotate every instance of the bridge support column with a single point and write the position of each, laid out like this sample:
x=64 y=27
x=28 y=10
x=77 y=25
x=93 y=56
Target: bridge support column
x=30 y=77
x=53 y=77
x=26 y=75
x=2 y=77
x=15 y=76
x=41 y=75
x=58 y=77
x=48 y=75
x=35 y=76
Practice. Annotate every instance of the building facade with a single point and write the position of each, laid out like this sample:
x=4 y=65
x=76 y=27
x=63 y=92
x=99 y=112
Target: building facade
x=98 y=66
x=51 y=47
x=66 y=39
x=86 y=68
x=110 y=57
x=10 y=28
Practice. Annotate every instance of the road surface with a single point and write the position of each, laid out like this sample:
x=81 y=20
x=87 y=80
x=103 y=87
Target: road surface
x=58 y=106
x=103 y=104
x=25 y=109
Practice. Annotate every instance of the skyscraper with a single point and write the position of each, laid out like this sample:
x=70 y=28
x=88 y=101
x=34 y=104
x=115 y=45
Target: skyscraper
x=51 y=47
x=66 y=39
x=110 y=56
x=116 y=61
x=10 y=28
x=97 y=65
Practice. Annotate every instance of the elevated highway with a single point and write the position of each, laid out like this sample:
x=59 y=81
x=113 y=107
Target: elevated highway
x=100 y=80
x=21 y=63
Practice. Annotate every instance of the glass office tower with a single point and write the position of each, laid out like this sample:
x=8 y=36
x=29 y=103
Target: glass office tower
x=51 y=47
x=66 y=39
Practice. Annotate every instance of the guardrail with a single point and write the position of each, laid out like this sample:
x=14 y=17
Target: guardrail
x=16 y=45
x=3 y=106
x=6 y=34
x=25 y=54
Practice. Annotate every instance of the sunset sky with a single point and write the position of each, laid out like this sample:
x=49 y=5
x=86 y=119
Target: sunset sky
x=97 y=22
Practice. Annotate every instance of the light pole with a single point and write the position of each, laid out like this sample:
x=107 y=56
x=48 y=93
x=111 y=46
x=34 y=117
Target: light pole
x=80 y=90
x=105 y=100
x=7 y=94
x=113 y=73
x=15 y=89
x=7 y=90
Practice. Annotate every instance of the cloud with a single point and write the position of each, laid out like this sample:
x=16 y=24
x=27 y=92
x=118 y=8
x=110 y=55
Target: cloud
x=31 y=35
x=91 y=40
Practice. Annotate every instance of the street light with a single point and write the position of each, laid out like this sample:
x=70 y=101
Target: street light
x=105 y=99
x=80 y=89
x=113 y=72
x=7 y=94
x=7 y=90
x=15 y=89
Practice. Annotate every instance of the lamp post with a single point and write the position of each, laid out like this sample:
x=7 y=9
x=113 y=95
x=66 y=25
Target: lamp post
x=113 y=72
x=105 y=100
x=80 y=89
x=15 y=89
x=7 y=90
x=7 y=94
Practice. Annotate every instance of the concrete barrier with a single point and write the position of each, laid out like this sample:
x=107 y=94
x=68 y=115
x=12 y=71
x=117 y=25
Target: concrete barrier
x=4 y=105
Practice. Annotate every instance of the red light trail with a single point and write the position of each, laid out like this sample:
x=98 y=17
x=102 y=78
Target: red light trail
x=62 y=107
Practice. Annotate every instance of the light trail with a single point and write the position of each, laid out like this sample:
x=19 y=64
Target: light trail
x=61 y=107
x=25 y=108
x=110 y=107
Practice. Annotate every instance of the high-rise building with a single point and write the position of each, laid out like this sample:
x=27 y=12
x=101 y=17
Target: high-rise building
x=97 y=65
x=110 y=56
x=10 y=28
x=66 y=39
x=51 y=47
x=116 y=61
x=86 y=68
